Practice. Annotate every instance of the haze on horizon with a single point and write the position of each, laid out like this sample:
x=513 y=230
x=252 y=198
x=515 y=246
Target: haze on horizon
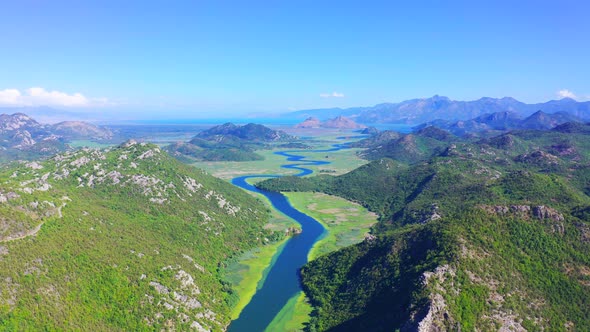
x=137 y=59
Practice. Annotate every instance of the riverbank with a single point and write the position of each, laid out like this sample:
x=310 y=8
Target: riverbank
x=346 y=222
x=273 y=300
x=248 y=272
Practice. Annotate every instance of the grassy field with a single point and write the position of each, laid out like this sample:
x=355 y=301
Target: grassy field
x=293 y=316
x=342 y=161
x=248 y=272
x=230 y=169
x=88 y=144
x=346 y=222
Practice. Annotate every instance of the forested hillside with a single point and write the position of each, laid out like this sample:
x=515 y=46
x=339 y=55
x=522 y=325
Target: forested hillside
x=121 y=239
x=490 y=234
x=229 y=142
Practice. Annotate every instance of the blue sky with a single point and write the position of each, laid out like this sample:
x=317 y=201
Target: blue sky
x=212 y=58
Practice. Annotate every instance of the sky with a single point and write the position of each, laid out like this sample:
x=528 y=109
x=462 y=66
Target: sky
x=229 y=58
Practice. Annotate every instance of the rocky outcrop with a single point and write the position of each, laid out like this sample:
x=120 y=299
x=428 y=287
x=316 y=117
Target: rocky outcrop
x=20 y=133
x=311 y=122
x=80 y=129
x=370 y=131
x=341 y=122
x=434 y=317
x=540 y=158
x=539 y=212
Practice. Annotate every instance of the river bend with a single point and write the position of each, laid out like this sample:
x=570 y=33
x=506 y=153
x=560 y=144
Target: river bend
x=282 y=281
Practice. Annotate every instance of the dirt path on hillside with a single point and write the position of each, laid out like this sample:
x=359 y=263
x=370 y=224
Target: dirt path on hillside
x=33 y=231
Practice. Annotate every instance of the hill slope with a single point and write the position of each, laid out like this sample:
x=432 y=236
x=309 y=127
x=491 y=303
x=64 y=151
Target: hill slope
x=229 y=142
x=493 y=236
x=21 y=137
x=122 y=239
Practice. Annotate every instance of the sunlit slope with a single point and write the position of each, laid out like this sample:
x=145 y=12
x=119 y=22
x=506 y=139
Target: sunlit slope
x=120 y=239
x=488 y=234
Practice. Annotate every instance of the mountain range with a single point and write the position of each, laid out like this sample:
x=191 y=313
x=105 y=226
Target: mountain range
x=22 y=137
x=416 y=111
x=339 y=122
x=503 y=121
x=474 y=235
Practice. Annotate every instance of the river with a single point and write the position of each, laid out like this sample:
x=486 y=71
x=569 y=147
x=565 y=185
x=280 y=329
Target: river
x=282 y=281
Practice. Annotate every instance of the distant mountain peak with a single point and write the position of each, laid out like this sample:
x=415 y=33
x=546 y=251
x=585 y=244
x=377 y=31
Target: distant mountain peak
x=310 y=122
x=438 y=97
x=249 y=132
x=416 y=111
x=342 y=122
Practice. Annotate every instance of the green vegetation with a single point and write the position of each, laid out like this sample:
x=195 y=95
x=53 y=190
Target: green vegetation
x=293 y=317
x=372 y=286
x=84 y=143
x=121 y=239
x=482 y=234
x=346 y=223
x=341 y=162
x=247 y=272
x=228 y=142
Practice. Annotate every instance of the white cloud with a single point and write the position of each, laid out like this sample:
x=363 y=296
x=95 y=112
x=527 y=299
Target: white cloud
x=45 y=97
x=565 y=93
x=9 y=97
x=332 y=95
x=37 y=96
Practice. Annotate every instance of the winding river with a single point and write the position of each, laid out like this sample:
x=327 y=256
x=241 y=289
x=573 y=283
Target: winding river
x=282 y=281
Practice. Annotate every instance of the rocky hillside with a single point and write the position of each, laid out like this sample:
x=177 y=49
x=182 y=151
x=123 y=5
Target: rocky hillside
x=487 y=235
x=339 y=122
x=407 y=148
x=81 y=130
x=416 y=111
x=311 y=122
x=492 y=124
x=21 y=137
x=119 y=239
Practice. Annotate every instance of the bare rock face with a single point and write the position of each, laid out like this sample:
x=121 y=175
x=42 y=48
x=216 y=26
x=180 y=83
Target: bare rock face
x=339 y=122
x=539 y=212
x=435 y=316
x=23 y=139
x=128 y=143
x=311 y=122
x=544 y=212
x=20 y=132
x=584 y=231
x=538 y=157
x=80 y=129
x=16 y=121
x=342 y=122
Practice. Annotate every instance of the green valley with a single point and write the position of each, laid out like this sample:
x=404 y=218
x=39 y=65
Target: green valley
x=480 y=235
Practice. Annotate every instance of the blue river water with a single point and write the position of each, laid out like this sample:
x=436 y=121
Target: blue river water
x=282 y=281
